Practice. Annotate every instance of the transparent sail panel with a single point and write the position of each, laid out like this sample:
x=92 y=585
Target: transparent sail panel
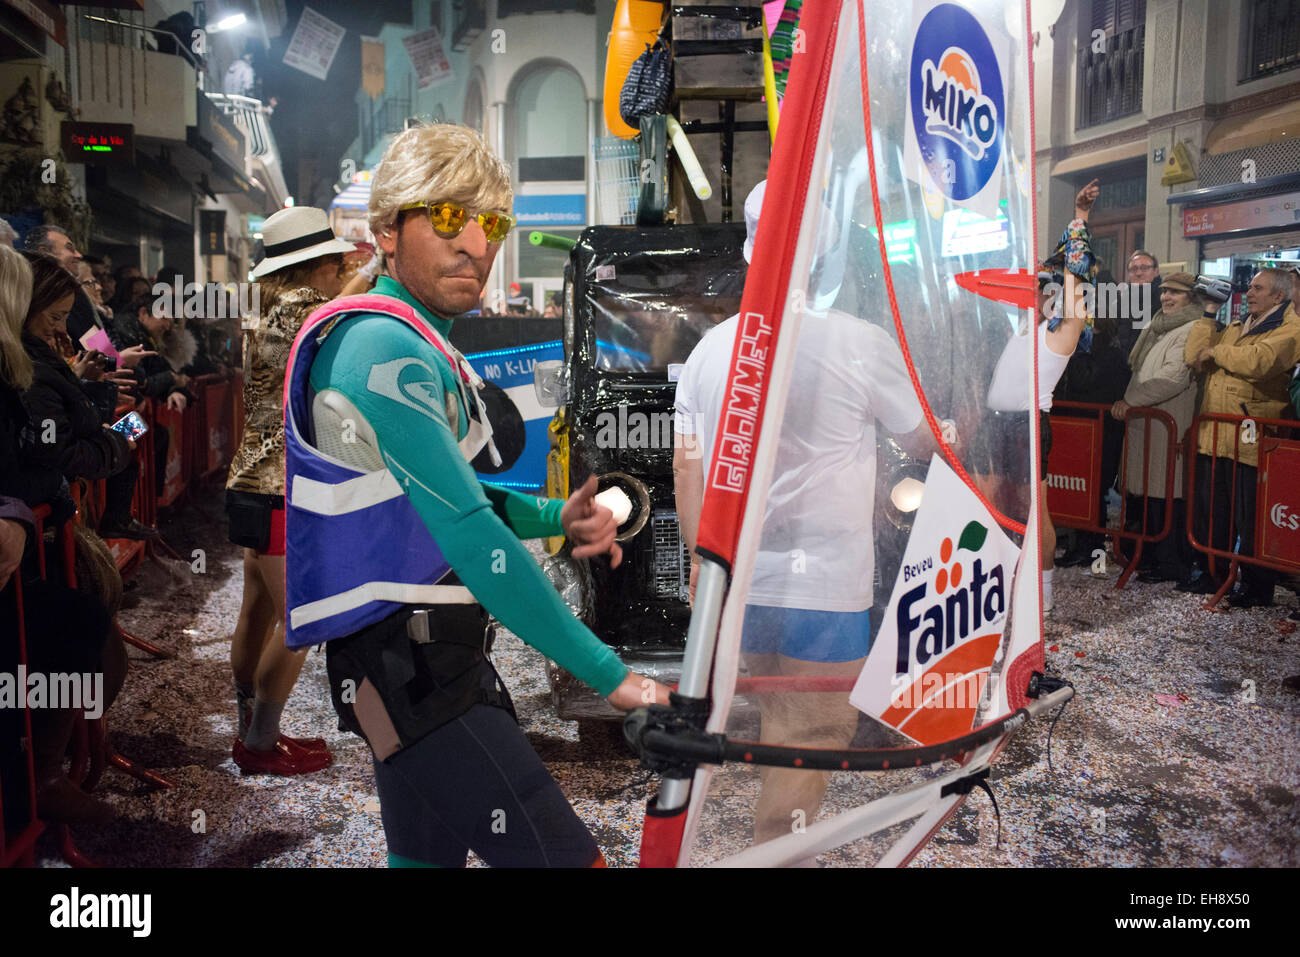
x=882 y=585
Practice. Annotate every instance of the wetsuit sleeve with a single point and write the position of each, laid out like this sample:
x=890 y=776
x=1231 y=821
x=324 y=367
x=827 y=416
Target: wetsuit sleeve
x=526 y=515
x=395 y=380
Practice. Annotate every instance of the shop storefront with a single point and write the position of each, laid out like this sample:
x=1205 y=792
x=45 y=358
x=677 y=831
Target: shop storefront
x=1238 y=235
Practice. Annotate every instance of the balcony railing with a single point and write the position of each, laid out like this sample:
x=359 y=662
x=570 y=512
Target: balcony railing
x=1110 y=83
x=122 y=82
x=250 y=116
x=1272 y=37
x=385 y=116
x=252 y=119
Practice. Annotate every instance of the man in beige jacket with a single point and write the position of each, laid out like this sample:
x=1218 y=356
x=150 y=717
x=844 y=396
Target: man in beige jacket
x=1248 y=368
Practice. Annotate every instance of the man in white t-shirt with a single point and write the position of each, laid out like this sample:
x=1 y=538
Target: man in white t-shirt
x=812 y=587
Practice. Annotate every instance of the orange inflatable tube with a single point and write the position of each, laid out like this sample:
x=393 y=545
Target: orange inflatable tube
x=636 y=23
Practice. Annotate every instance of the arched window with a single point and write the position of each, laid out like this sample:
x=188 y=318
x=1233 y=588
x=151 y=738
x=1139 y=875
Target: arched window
x=550 y=114
x=473 y=113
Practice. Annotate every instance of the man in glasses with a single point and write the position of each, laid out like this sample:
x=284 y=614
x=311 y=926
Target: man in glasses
x=1144 y=268
x=396 y=553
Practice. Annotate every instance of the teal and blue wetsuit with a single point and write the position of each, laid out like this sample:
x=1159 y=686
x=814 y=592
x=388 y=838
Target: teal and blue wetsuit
x=474 y=782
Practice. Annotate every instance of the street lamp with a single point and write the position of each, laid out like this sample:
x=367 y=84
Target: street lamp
x=228 y=23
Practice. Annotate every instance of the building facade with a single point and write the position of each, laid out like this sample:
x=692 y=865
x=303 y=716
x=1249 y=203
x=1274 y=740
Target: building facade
x=152 y=163
x=1188 y=112
x=525 y=73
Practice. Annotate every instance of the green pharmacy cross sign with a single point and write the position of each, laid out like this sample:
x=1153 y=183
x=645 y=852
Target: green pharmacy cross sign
x=99 y=143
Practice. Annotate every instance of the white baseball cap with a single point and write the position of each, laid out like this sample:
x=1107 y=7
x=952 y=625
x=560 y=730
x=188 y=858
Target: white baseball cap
x=753 y=205
x=296 y=235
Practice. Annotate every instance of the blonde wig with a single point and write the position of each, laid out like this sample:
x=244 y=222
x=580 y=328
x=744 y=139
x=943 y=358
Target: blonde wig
x=436 y=163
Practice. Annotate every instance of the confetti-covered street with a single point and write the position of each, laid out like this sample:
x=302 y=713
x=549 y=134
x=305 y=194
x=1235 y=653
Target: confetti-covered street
x=1181 y=749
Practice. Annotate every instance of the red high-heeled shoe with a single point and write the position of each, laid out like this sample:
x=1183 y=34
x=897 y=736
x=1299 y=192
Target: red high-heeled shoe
x=283 y=759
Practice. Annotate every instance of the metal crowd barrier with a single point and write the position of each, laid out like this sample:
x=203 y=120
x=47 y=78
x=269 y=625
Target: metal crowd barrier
x=1277 y=495
x=1074 y=475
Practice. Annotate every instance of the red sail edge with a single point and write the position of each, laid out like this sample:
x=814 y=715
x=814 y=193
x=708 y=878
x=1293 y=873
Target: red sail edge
x=727 y=479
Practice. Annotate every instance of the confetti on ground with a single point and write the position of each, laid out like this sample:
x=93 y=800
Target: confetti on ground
x=1211 y=782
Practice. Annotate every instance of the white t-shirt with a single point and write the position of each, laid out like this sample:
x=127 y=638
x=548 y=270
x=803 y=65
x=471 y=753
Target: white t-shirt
x=1007 y=392
x=817 y=551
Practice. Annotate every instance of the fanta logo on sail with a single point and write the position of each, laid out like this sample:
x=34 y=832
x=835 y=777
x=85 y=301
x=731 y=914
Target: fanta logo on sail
x=954 y=105
x=928 y=672
x=937 y=615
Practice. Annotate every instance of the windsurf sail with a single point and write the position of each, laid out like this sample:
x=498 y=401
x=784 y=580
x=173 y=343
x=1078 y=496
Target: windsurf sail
x=866 y=628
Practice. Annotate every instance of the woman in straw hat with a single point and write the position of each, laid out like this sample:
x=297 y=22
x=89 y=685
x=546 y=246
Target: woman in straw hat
x=302 y=270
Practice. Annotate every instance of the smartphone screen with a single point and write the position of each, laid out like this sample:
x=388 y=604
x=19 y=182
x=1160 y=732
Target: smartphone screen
x=131 y=425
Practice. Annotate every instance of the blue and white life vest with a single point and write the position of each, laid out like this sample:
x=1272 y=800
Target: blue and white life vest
x=340 y=576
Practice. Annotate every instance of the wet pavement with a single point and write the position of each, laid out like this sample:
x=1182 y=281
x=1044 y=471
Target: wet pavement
x=1182 y=748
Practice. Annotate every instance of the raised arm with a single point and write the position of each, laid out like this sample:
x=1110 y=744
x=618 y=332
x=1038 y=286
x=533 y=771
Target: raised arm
x=1074 y=253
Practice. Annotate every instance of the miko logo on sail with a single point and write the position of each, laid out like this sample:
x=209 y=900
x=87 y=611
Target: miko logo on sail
x=954 y=106
x=957 y=101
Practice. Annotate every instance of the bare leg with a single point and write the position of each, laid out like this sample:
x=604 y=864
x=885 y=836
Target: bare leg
x=256 y=621
x=1047 y=531
x=277 y=666
x=57 y=798
x=789 y=799
x=114 y=667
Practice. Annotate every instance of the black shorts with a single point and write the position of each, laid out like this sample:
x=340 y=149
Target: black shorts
x=477 y=784
x=252 y=523
x=1001 y=446
x=454 y=771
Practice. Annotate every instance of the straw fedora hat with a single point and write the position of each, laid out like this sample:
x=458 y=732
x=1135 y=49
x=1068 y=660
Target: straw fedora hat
x=296 y=235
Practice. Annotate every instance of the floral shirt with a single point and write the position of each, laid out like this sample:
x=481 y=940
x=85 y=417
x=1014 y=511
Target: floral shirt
x=1074 y=253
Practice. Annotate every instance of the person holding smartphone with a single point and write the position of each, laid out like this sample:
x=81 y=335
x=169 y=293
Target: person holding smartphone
x=72 y=436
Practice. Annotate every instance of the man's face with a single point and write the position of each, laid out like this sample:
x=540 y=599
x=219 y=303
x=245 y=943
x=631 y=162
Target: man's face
x=446 y=275
x=1260 y=298
x=61 y=248
x=1141 y=269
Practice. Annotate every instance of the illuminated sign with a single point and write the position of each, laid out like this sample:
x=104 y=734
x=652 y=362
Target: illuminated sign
x=550 y=209
x=967 y=234
x=900 y=241
x=99 y=143
x=1265 y=213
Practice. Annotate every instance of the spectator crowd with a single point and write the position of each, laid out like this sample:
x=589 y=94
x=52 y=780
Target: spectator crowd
x=81 y=345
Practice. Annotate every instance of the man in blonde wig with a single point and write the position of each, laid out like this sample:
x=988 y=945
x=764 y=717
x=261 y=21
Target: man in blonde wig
x=396 y=553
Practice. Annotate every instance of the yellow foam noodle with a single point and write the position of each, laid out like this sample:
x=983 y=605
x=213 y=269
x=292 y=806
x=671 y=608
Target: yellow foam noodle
x=636 y=23
x=769 y=82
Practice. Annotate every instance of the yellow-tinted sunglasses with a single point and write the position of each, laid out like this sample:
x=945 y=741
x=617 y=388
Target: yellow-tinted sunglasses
x=448 y=219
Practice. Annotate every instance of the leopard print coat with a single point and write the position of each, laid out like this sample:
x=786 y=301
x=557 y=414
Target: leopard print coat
x=258 y=464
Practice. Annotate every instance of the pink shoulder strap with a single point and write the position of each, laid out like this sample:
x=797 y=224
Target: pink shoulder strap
x=388 y=306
